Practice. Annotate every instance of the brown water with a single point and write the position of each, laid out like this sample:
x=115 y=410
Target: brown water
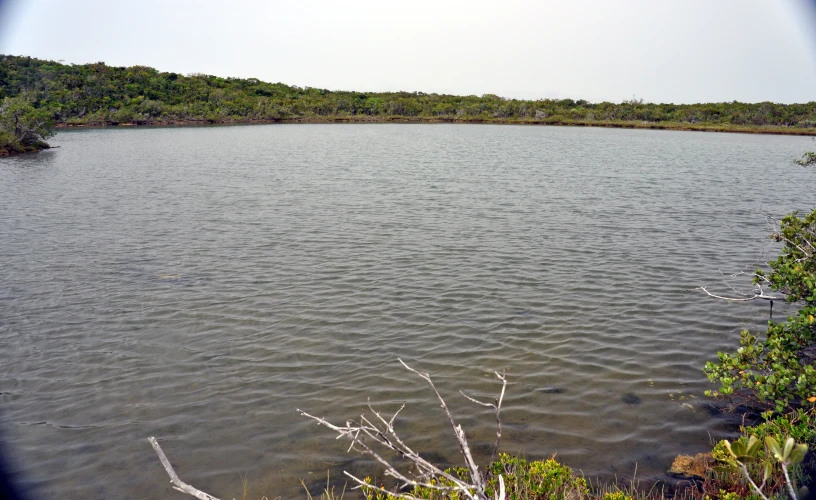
x=200 y=284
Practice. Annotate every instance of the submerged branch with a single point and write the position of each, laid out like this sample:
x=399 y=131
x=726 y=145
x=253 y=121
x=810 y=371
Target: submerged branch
x=497 y=408
x=178 y=484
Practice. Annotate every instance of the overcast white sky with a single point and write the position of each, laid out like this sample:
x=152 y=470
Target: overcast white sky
x=659 y=50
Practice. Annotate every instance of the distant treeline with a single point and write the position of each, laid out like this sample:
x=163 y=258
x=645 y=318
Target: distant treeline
x=98 y=94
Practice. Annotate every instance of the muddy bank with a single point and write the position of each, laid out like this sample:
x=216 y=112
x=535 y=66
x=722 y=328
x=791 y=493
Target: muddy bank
x=739 y=129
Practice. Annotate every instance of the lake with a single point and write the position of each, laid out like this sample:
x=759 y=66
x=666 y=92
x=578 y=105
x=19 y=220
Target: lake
x=199 y=284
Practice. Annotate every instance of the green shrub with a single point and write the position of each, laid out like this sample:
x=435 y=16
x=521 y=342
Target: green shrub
x=770 y=372
x=23 y=127
x=533 y=480
x=778 y=372
x=727 y=495
x=536 y=480
x=720 y=452
x=617 y=495
x=799 y=425
x=775 y=373
x=9 y=143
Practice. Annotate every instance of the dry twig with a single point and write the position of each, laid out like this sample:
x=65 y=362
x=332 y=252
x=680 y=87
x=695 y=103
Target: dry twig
x=497 y=408
x=381 y=432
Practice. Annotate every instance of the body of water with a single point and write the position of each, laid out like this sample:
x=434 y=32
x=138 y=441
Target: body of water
x=200 y=284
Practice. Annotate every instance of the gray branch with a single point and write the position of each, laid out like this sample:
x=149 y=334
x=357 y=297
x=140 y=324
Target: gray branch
x=757 y=294
x=497 y=408
x=381 y=431
x=178 y=484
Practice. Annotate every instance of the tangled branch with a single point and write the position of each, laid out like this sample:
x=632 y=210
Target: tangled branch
x=379 y=432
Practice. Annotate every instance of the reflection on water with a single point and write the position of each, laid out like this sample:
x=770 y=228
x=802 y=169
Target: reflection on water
x=199 y=284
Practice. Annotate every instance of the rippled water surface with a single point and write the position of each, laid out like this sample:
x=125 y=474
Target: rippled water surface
x=200 y=284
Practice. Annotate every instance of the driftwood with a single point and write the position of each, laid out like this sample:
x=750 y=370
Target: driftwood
x=178 y=484
x=377 y=431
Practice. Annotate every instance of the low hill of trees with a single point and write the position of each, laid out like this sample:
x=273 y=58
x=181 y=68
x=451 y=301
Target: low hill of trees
x=98 y=94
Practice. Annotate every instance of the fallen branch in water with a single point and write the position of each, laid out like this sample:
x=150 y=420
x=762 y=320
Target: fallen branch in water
x=497 y=408
x=178 y=484
x=756 y=294
x=381 y=432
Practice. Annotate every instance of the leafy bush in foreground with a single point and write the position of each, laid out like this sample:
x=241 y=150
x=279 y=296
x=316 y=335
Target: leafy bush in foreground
x=778 y=372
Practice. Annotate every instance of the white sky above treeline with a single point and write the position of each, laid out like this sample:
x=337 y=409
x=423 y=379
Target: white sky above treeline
x=679 y=51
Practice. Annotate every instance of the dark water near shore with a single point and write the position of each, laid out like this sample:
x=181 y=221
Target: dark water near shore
x=200 y=284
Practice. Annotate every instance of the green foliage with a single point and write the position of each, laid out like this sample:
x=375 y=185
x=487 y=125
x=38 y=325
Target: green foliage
x=617 y=495
x=727 y=495
x=8 y=143
x=808 y=158
x=533 y=480
x=794 y=271
x=778 y=372
x=23 y=126
x=773 y=458
x=770 y=372
x=537 y=479
x=720 y=452
x=98 y=94
x=799 y=425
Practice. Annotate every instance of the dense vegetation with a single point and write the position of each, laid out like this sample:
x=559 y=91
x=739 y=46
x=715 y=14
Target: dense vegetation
x=98 y=94
x=777 y=372
x=23 y=127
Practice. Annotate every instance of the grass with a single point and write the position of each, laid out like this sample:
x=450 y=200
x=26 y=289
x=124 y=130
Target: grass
x=525 y=480
x=328 y=492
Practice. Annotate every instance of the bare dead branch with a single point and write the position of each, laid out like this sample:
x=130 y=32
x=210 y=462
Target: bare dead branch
x=426 y=469
x=178 y=484
x=497 y=408
x=758 y=294
x=380 y=431
x=475 y=475
x=727 y=284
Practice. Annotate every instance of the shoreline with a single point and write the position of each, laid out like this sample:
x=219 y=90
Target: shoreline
x=7 y=153
x=679 y=126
